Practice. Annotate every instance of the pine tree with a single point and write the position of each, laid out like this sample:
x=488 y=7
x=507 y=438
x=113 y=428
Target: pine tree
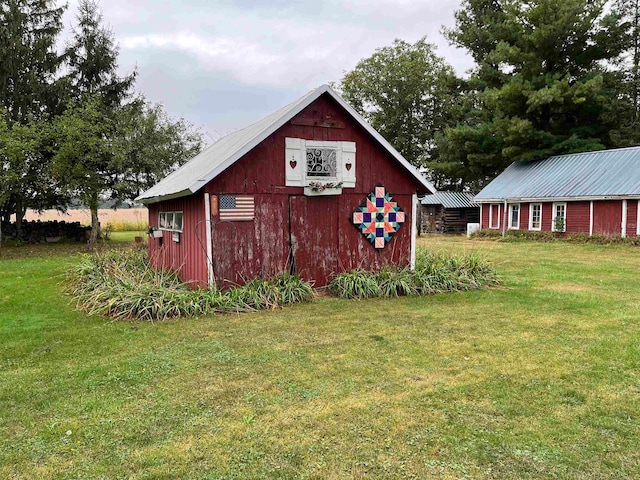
x=86 y=160
x=29 y=64
x=541 y=79
x=627 y=109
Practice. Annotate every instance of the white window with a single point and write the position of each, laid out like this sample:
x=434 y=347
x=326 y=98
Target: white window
x=514 y=216
x=494 y=215
x=309 y=161
x=171 y=221
x=535 y=216
x=559 y=219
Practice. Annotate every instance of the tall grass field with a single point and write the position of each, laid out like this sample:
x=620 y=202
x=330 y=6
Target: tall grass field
x=120 y=220
x=536 y=378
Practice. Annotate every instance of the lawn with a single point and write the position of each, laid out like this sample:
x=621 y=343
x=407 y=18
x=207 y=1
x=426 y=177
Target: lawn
x=537 y=379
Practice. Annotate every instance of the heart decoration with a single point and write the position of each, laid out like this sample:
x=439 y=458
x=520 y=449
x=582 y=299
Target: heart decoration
x=348 y=165
x=293 y=164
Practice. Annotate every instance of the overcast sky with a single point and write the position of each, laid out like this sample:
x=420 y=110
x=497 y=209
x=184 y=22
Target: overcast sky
x=225 y=64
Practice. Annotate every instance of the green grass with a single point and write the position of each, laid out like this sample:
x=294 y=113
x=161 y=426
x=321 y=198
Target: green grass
x=539 y=378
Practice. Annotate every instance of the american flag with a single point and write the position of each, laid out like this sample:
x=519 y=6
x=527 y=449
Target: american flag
x=236 y=207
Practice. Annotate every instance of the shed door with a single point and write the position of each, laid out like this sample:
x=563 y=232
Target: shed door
x=314 y=237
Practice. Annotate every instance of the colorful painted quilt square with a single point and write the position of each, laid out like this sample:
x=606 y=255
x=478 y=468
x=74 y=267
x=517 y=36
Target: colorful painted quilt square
x=378 y=217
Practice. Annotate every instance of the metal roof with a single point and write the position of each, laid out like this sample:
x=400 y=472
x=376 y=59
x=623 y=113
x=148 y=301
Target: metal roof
x=590 y=175
x=450 y=200
x=214 y=160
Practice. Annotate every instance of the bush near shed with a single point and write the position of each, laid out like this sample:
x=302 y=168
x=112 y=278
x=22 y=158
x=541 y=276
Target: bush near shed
x=526 y=236
x=38 y=232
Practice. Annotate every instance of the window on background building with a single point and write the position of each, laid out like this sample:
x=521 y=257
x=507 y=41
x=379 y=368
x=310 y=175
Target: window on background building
x=494 y=215
x=535 y=216
x=514 y=216
x=559 y=220
x=171 y=221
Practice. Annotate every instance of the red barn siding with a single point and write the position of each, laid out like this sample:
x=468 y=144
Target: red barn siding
x=484 y=221
x=632 y=217
x=317 y=229
x=607 y=217
x=189 y=255
x=524 y=216
x=578 y=214
x=547 y=215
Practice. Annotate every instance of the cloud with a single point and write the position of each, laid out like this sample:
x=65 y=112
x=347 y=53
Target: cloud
x=251 y=57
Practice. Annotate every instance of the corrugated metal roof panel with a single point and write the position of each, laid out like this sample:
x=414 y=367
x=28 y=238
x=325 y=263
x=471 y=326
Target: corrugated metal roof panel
x=450 y=200
x=214 y=160
x=605 y=173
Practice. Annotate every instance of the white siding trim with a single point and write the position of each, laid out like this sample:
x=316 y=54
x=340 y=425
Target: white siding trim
x=638 y=220
x=207 y=213
x=591 y=218
x=481 y=216
x=414 y=230
x=623 y=227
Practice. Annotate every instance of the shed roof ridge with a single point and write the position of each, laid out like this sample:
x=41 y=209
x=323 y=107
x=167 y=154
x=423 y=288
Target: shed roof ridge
x=213 y=160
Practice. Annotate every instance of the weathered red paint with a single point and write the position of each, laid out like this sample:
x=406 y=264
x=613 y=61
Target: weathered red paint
x=188 y=256
x=607 y=217
x=316 y=230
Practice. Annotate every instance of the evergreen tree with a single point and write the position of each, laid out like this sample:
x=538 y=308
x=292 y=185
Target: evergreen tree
x=89 y=168
x=627 y=107
x=29 y=94
x=541 y=80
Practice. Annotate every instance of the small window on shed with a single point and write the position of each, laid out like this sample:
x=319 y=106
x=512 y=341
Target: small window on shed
x=322 y=162
x=171 y=221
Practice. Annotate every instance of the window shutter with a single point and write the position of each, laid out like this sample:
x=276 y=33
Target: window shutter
x=348 y=164
x=294 y=162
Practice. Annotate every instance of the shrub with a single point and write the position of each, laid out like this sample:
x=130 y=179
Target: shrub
x=525 y=235
x=37 y=231
x=122 y=284
x=434 y=273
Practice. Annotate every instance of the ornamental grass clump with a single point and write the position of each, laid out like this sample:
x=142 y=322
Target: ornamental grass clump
x=434 y=273
x=122 y=284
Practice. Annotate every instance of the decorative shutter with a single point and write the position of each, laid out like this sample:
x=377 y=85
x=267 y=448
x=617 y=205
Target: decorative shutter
x=348 y=164
x=294 y=162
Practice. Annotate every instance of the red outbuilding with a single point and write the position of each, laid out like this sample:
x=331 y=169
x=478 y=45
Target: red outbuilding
x=595 y=193
x=311 y=189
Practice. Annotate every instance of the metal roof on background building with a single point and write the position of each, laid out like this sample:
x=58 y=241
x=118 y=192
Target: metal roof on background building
x=599 y=175
x=450 y=200
x=214 y=160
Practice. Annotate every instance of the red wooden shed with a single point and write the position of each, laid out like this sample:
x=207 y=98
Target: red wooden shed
x=595 y=193
x=312 y=189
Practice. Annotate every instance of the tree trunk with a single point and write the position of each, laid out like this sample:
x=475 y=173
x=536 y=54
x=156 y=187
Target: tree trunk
x=20 y=212
x=95 y=222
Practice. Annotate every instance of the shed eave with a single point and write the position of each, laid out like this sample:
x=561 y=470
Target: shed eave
x=161 y=198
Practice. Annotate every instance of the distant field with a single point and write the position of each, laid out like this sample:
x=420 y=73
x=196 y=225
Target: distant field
x=137 y=216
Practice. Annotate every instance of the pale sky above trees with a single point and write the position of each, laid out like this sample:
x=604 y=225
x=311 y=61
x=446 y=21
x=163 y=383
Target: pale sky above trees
x=225 y=64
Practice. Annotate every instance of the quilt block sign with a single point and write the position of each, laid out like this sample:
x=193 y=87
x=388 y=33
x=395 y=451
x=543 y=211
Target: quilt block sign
x=378 y=217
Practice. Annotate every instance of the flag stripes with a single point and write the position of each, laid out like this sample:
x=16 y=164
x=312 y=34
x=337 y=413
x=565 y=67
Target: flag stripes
x=236 y=207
